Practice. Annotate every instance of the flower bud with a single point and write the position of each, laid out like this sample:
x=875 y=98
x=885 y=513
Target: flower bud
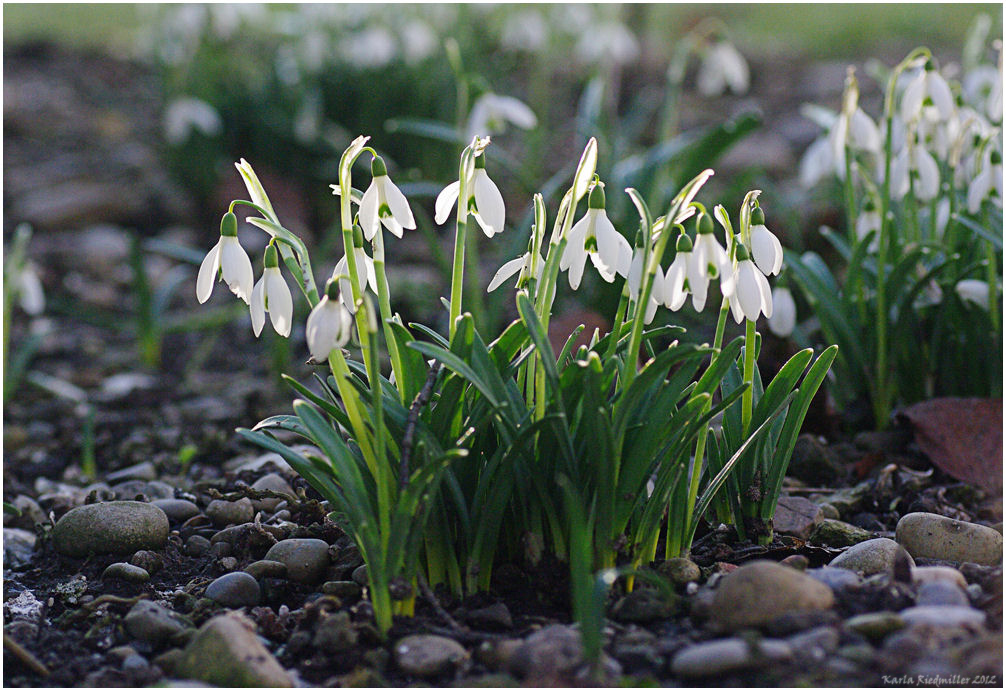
x=684 y=243
x=229 y=225
x=757 y=216
x=480 y=162
x=377 y=167
x=271 y=259
x=741 y=252
x=332 y=289
x=704 y=225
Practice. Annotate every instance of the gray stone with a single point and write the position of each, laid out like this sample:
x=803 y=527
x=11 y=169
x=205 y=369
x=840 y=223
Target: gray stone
x=196 y=546
x=335 y=634
x=868 y=558
x=796 y=516
x=931 y=574
x=306 y=558
x=110 y=528
x=125 y=572
x=359 y=575
x=31 y=513
x=151 y=489
x=228 y=563
x=154 y=623
x=276 y=483
x=832 y=533
x=814 y=462
x=18 y=546
x=680 y=570
x=426 y=655
x=226 y=652
x=762 y=590
x=641 y=606
x=265 y=568
x=256 y=536
x=134 y=663
x=140 y=471
x=728 y=655
x=941 y=593
x=177 y=510
x=237 y=589
x=150 y=562
x=938 y=537
x=875 y=625
x=343 y=589
x=814 y=646
x=224 y=513
x=553 y=650
x=493 y=618
x=939 y=616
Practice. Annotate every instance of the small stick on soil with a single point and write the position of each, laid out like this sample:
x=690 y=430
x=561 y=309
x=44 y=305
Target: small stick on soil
x=431 y=597
x=422 y=398
x=22 y=654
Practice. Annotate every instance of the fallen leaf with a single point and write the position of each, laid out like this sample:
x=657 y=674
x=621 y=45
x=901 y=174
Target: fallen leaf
x=962 y=437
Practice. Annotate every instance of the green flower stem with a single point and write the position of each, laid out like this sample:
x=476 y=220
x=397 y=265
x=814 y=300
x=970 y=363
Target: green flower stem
x=882 y=393
x=749 y=361
x=616 y=326
x=850 y=196
x=384 y=303
x=458 y=270
x=348 y=394
x=991 y=275
x=346 y=217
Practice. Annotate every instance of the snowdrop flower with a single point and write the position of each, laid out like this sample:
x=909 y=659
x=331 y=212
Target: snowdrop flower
x=491 y=113
x=710 y=258
x=928 y=86
x=228 y=260
x=751 y=295
x=524 y=31
x=183 y=115
x=271 y=294
x=371 y=48
x=817 y=162
x=418 y=41
x=723 y=67
x=594 y=235
x=783 y=318
x=915 y=160
x=765 y=246
x=486 y=201
x=365 y=274
x=611 y=42
x=384 y=203
x=635 y=281
x=525 y=265
x=28 y=289
x=988 y=180
x=683 y=277
x=974 y=291
x=329 y=324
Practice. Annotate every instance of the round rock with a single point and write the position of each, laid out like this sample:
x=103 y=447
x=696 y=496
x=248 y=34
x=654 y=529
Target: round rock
x=426 y=655
x=306 y=558
x=238 y=589
x=728 y=655
x=868 y=558
x=125 y=572
x=276 y=483
x=154 y=623
x=113 y=527
x=761 y=590
x=938 y=537
x=680 y=570
x=224 y=513
x=942 y=593
x=932 y=574
x=177 y=510
x=263 y=568
x=942 y=616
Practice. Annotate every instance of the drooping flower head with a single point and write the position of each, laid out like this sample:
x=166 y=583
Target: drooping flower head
x=271 y=294
x=722 y=67
x=229 y=261
x=635 y=282
x=783 y=319
x=683 y=277
x=711 y=261
x=989 y=180
x=491 y=113
x=751 y=295
x=329 y=325
x=485 y=203
x=595 y=236
x=928 y=87
x=384 y=203
x=765 y=246
x=365 y=272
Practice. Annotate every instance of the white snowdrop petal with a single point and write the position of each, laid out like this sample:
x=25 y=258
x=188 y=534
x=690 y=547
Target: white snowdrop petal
x=978 y=190
x=207 y=276
x=369 y=221
x=576 y=261
x=489 y=202
x=735 y=309
x=911 y=100
x=929 y=176
x=506 y=271
x=764 y=293
x=398 y=204
x=783 y=319
x=939 y=92
x=32 y=297
x=257 y=306
x=280 y=301
x=974 y=291
x=445 y=202
x=236 y=268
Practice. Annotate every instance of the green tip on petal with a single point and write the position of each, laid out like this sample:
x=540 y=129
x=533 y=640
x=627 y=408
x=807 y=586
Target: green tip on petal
x=271 y=260
x=684 y=243
x=930 y=67
x=596 y=199
x=332 y=289
x=869 y=205
x=377 y=167
x=742 y=252
x=229 y=225
x=996 y=158
x=357 y=235
x=480 y=161
x=705 y=224
x=757 y=216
